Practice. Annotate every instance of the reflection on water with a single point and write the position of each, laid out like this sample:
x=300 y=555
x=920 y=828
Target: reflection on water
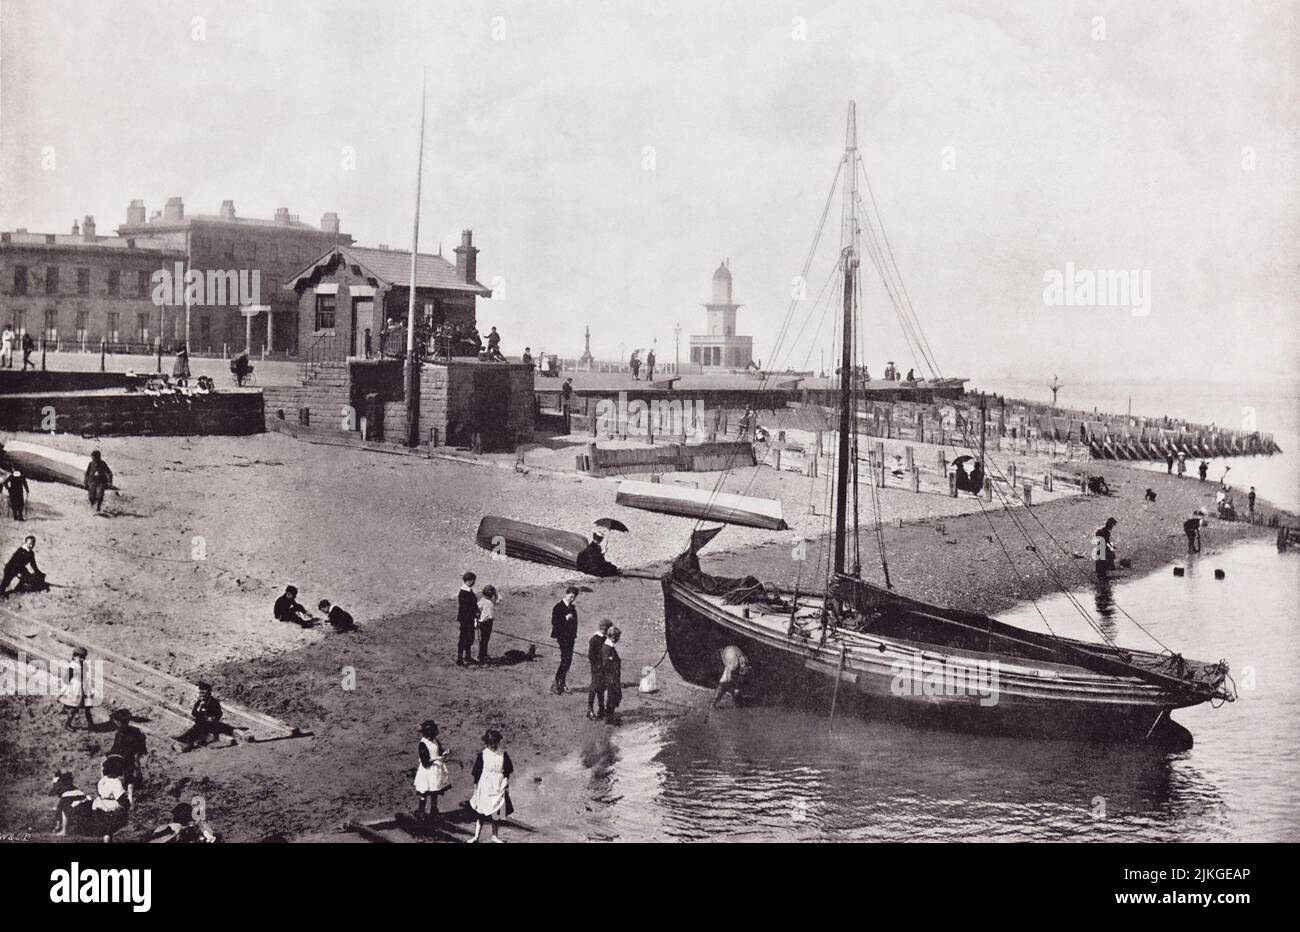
x=677 y=771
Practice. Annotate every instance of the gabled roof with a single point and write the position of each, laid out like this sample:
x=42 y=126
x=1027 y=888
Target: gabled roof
x=393 y=267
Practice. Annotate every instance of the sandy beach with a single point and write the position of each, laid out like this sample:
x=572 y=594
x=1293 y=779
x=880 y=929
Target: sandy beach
x=206 y=532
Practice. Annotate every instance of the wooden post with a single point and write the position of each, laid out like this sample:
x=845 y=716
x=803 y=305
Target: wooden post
x=1047 y=480
x=103 y=354
x=943 y=463
x=909 y=458
x=914 y=477
x=42 y=356
x=952 y=485
x=880 y=474
x=1012 y=469
x=1028 y=493
x=591 y=459
x=987 y=492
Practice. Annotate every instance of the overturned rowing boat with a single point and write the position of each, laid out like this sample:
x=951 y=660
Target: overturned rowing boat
x=530 y=541
x=702 y=504
x=45 y=463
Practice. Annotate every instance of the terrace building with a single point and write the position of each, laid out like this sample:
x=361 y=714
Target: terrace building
x=74 y=290
x=230 y=245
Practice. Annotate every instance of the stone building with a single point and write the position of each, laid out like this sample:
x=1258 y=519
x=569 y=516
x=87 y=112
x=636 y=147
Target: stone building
x=77 y=289
x=719 y=348
x=225 y=244
x=350 y=289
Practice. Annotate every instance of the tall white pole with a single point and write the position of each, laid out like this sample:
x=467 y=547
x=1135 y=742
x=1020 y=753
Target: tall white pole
x=412 y=371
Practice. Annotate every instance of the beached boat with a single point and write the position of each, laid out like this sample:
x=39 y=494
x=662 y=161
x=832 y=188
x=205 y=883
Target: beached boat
x=701 y=504
x=46 y=463
x=530 y=541
x=891 y=656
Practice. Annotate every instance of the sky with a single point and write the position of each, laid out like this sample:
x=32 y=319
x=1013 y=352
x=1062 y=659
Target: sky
x=1004 y=141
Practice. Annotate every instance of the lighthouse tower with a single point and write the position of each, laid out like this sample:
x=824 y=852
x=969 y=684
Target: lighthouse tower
x=719 y=347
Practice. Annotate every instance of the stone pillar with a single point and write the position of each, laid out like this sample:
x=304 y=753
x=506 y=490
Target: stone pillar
x=269 y=340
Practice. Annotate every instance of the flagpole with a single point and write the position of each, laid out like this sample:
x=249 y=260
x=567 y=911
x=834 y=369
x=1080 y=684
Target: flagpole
x=412 y=367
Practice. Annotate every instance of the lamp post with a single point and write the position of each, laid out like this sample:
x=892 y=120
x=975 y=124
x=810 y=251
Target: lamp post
x=677 y=348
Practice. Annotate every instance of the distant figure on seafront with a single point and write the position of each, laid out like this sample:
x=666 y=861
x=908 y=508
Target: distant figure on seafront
x=28 y=347
x=1103 y=549
x=1169 y=462
x=650 y=366
x=1192 y=528
x=1250 y=501
x=1203 y=469
x=181 y=367
x=635 y=365
x=527 y=358
x=7 y=338
x=494 y=353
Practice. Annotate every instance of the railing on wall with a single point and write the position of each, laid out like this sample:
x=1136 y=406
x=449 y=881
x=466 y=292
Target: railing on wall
x=328 y=347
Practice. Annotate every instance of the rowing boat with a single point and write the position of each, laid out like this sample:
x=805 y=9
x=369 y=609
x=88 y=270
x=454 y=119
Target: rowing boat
x=533 y=542
x=45 y=463
x=701 y=504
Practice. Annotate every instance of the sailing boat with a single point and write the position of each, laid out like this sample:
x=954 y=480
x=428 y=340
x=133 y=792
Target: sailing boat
x=890 y=656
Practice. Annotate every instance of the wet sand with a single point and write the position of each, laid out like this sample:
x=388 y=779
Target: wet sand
x=387 y=537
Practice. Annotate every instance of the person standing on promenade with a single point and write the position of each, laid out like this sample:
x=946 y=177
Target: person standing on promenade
x=564 y=631
x=7 y=346
x=635 y=365
x=28 y=347
x=15 y=485
x=99 y=478
x=1169 y=462
x=491 y=799
x=1250 y=502
x=1203 y=469
x=596 y=657
x=466 y=619
x=612 y=674
x=650 y=366
x=487 y=608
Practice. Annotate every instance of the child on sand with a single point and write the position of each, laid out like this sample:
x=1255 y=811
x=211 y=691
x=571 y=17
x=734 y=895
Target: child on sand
x=491 y=799
x=431 y=778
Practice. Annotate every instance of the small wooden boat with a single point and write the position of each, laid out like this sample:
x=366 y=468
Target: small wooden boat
x=702 y=504
x=45 y=463
x=533 y=542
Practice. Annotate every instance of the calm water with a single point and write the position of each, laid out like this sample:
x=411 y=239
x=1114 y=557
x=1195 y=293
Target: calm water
x=781 y=775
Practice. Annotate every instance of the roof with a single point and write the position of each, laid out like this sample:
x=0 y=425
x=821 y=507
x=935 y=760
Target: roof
x=393 y=267
x=722 y=272
x=160 y=225
x=77 y=241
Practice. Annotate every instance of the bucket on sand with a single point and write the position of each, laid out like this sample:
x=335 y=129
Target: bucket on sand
x=648 y=682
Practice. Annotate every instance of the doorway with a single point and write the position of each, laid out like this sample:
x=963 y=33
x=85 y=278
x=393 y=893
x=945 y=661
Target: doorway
x=363 y=319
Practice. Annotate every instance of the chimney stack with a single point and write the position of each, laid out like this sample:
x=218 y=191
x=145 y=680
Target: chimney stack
x=282 y=216
x=329 y=223
x=88 y=229
x=135 y=213
x=467 y=257
x=174 y=210
x=227 y=210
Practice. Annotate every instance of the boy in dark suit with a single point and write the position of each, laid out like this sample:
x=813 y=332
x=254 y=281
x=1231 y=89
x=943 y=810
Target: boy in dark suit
x=466 y=616
x=564 y=630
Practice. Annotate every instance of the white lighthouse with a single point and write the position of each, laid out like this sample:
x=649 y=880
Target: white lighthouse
x=719 y=347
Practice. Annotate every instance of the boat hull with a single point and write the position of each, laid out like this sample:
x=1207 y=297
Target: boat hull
x=904 y=682
x=701 y=504
x=45 y=463
x=533 y=542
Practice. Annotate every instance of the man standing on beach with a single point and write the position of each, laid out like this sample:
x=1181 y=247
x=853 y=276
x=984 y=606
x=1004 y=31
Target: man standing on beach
x=564 y=630
x=650 y=366
x=16 y=486
x=1192 y=528
x=1169 y=462
x=99 y=478
x=466 y=617
x=1250 y=502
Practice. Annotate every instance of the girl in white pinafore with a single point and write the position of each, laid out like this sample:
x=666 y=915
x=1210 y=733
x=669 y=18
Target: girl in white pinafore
x=491 y=799
x=431 y=778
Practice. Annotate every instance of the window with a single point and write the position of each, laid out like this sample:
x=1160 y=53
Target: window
x=114 y=283
x=20 y=279
x=51 y=324
x=52 y=279
x=82 y=317
x=205 y=331
x=83 y=281
x=325 y=306
x=20 y=321
x=112 y=334
x=142 y=282
x=142 y=327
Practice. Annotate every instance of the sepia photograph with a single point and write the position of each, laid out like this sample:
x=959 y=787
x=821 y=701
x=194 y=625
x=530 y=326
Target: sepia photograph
x=557 y=422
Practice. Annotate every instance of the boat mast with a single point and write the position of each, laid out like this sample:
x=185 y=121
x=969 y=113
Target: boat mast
x=849 y=261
